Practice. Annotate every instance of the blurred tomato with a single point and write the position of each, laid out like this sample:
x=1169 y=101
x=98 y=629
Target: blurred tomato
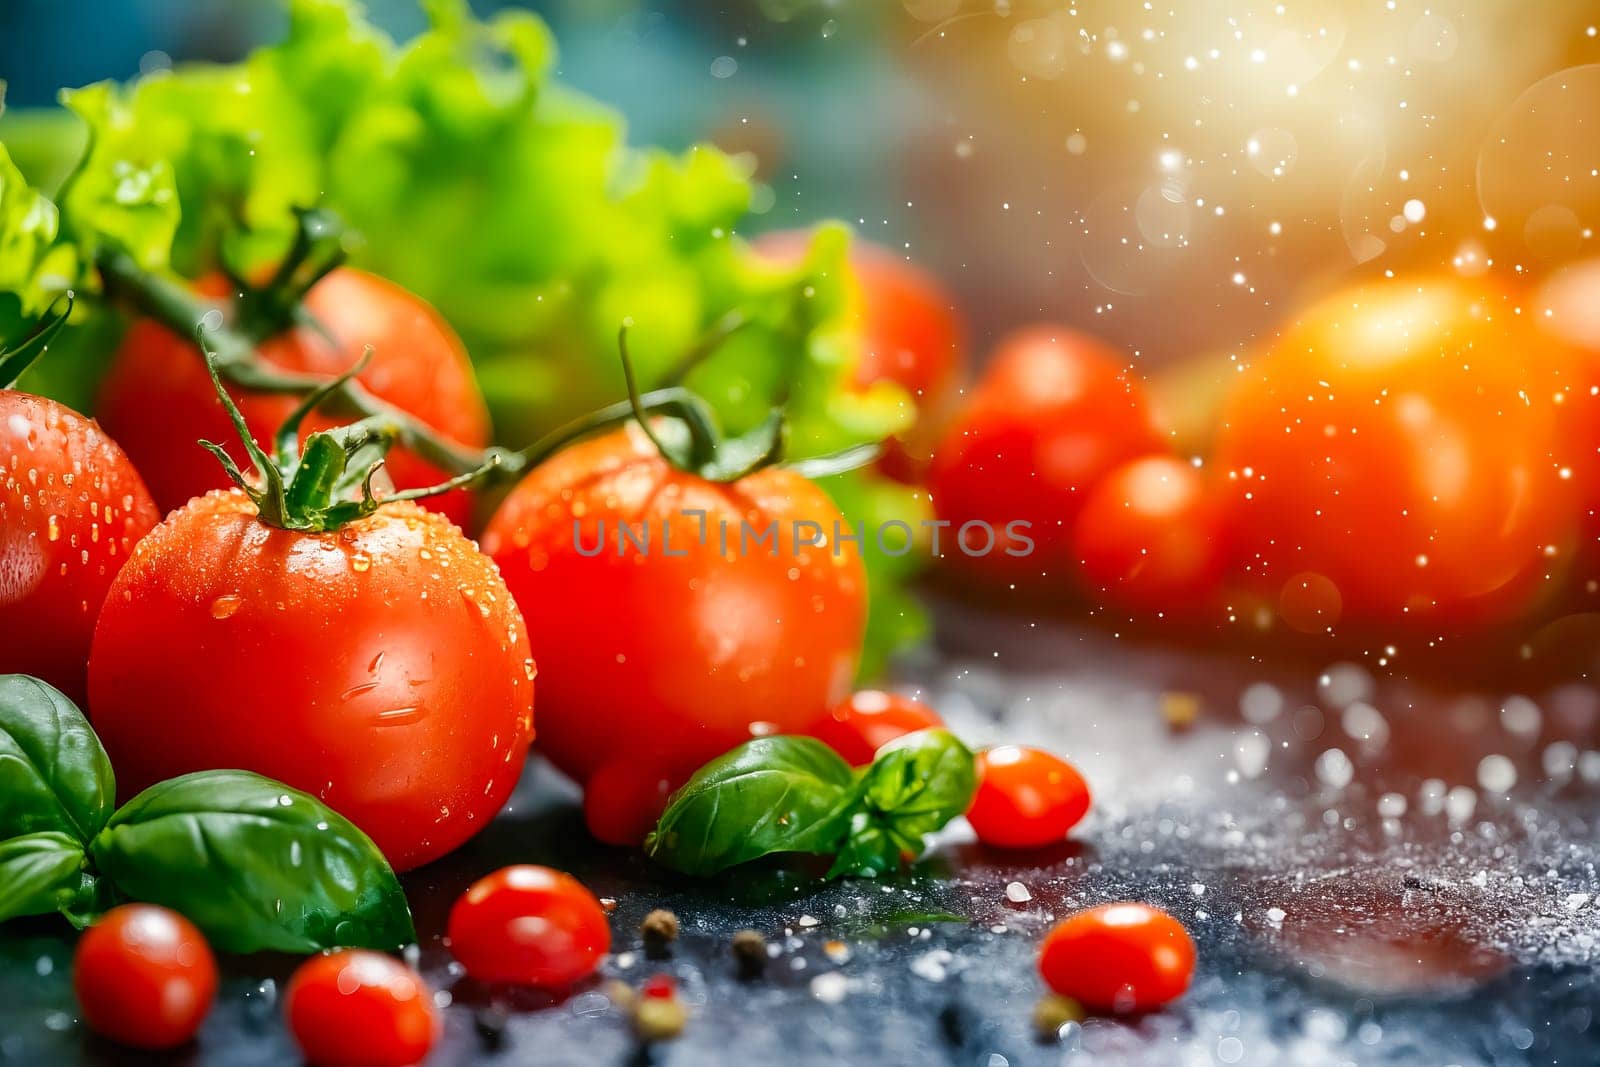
x=869 y=719
x=1150 y=539
x=1399 y=457
x=1053 y=414
x=913 y=336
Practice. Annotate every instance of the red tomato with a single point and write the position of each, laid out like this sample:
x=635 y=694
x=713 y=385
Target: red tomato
x=157 y=399
x=870 y=719
x=911 y=333
x=624 y=799
x=1118 y=958
x=1053 y=414
x=529 y=925
x=1149 y=538
x=1397 y=458
x=671 y=655
x=144 y=977
x=1026 y=798
x=71 y=509
x=360 y=1009
x=382 y=667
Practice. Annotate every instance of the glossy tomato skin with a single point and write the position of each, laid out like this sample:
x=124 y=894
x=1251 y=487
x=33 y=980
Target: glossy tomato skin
x=675 y=654
x=1120 y=958
x=1397 y=459
x=1026 y=798
x=529 y=925
x=1053 y=413
x=383 y=667
x=144 y=976
x=71 y=509
x=158 y=400
x=912 y=335
x=624 y=799
x=1149 y=539
x=356 y=1008
x=868 y=719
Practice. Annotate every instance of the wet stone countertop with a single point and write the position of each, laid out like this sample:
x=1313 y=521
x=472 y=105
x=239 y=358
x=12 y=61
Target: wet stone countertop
x=1375 y=870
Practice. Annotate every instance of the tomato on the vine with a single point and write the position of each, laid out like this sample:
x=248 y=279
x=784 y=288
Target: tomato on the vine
x=1149 y=538
x=71 y=510
x=382 y=666
x=1119 y=958
x=869 y=719
x=1026 y=798
x=356 y=1008
x=1053 y=413
x=1399 y=457
x=157 y=398
x=144 y=976
x=529 y=925
x=669 y=654
x=911 y=334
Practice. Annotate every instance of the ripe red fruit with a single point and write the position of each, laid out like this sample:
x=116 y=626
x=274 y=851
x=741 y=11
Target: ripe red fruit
x=1119 y=958
x=529 y=925
x=1053 y=414
x=144 y=977
x=867 y=720
x=360 y=1009
x=157 y=398
x=71 y=509
x=1150 y=539
x=1026 y=798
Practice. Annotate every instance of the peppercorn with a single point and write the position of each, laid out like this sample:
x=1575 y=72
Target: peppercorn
x=750 y=953
x=659 y=929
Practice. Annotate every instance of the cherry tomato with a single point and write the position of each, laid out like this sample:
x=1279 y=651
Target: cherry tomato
x=1397 y=458
x=529 y=925
x=144 y=977
x=1149 y=538
x=1118 y=958
x=1053 y=414
x=71 y=509
x=870 y=719
x=671 y=655
x=157 y=399
x=360 y=1009
x=912 y=336
x=1026 y=798
x=382 y=667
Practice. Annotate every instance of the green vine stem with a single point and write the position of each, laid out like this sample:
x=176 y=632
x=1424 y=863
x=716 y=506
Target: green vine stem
x=230 y=352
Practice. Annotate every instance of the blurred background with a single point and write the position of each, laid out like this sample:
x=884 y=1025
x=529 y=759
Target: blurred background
x=1178 y=177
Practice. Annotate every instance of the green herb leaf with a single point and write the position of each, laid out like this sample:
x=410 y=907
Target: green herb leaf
x=38 y=873
x=794 y=794
x=54 y=776
x=772 y=794
x=916 y=785
x=254 y=864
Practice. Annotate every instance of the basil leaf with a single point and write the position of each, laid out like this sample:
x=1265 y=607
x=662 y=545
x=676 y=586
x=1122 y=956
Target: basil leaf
x=254 y=864
x=38 y=873
x=772 y=794
x=54 y=776
x=916 y=785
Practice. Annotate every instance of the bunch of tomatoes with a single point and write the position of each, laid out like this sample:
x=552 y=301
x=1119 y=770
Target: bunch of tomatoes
x=1410 y=455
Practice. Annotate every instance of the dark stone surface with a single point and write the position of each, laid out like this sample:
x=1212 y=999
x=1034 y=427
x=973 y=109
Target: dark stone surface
x=1329 y=933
